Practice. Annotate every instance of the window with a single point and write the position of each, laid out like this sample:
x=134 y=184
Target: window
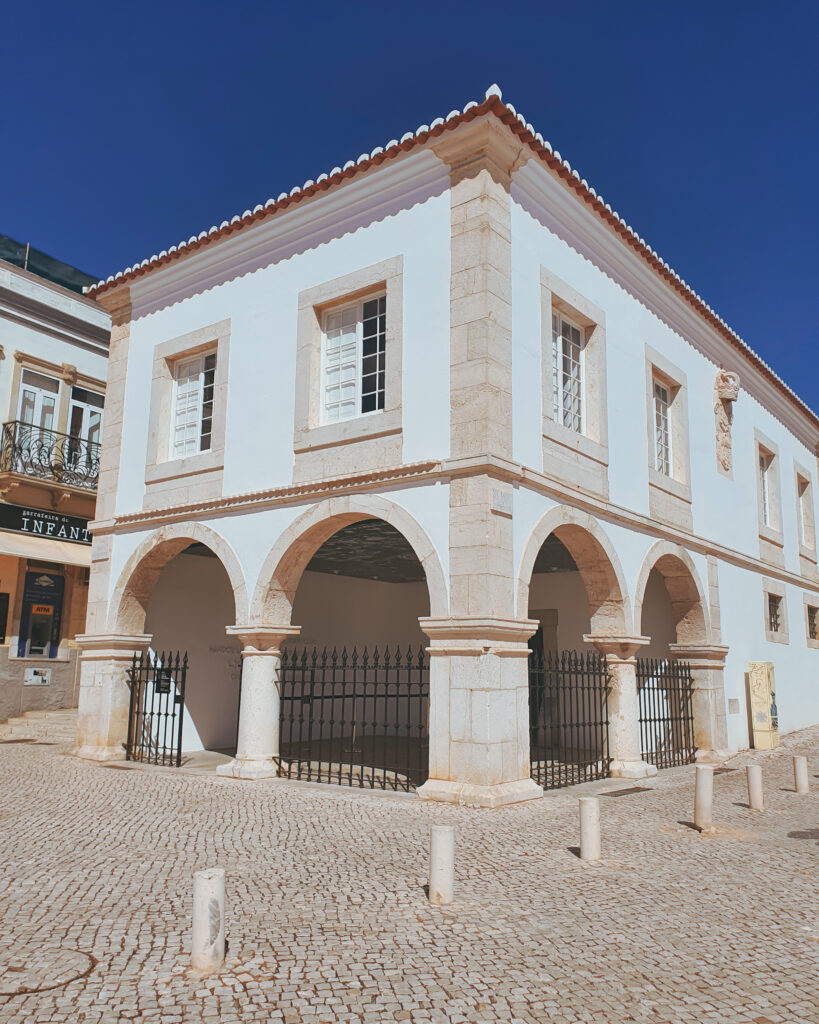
x=192 y=427
x=812 y=625
x=662 y=428
x=355 y=359
x=567 y=380
x=38 y=400
x=804 y=515
x=764 y=486
x=774 y=613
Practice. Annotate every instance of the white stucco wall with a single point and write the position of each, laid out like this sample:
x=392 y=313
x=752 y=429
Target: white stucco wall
x=262 y=306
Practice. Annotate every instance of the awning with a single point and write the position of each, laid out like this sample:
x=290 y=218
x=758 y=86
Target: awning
x=44 y=549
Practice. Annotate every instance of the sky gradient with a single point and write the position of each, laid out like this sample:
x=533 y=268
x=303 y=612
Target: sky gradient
x=126 y=128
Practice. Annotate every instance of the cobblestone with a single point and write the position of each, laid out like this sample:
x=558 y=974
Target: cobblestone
x=328 y=921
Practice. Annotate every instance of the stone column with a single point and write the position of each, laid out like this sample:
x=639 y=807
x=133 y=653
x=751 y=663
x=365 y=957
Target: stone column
x=707 y=663
x=625 y=749
x=105 y=693
x=257 y=748
x=479 y=711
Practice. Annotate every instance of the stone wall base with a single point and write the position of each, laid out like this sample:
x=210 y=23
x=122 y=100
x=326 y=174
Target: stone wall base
x=239 y=769
x=467 y=795
x=632 y=770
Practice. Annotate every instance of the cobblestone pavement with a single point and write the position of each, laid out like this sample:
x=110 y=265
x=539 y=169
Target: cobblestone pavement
x=327 y=918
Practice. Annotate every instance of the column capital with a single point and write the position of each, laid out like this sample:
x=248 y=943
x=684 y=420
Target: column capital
x=621 y=648
x=263 y=638
x=701 y=655
x=478 y=635
x=113 y=646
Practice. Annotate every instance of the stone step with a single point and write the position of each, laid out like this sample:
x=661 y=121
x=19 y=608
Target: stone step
x=51 y=726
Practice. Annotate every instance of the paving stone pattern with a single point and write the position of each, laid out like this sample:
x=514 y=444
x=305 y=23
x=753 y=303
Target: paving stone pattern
x=327 y=918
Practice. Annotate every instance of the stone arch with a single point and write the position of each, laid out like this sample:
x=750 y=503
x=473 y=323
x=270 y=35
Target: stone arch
x=129 y=601
x=685 y=590
x=596 y=560
x=282 y=569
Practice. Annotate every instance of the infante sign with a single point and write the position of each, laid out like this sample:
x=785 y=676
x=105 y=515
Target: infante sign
x=44 y=524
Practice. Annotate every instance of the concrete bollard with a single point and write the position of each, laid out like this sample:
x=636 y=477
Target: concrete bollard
x=208 y=943
x=441 y=864
x=704 y=798
x=800 y=775
x=756 y=800
x=589 y=828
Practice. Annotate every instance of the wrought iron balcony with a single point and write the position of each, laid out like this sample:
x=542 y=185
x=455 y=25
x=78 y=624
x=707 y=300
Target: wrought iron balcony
x=49 y=455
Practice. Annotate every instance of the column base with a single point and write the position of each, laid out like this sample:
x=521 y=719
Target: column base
x=632 y=770
x=261 y=768
x=467 y=795
x=99 y=753
x=712 y=756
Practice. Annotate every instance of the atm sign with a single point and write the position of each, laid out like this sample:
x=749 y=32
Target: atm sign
x=42 y=609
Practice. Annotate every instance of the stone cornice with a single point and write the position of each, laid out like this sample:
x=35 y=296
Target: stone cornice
x=442 y=471
x=483 y=144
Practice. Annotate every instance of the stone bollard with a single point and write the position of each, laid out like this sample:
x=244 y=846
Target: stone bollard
x=589 y=828
x=704 y=798
x=208 y=943
x=441 y=864
x=800 y=775
x=756 y=801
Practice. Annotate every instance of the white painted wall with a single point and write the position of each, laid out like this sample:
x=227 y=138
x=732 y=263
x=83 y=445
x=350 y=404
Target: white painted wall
x=262 y=305
x=188 y=611
x=342 y=610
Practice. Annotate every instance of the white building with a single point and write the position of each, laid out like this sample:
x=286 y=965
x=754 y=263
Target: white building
x=53 y=356
x=443 y=397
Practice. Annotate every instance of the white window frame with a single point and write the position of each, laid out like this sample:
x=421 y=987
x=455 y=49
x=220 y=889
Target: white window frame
x=764 y=466
x=180 y=450
x=559 y=377
x=358 y=306
x=663 y=445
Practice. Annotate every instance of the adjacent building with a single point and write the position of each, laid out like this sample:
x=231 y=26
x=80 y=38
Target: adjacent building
x=431 y=474
x=53 y=356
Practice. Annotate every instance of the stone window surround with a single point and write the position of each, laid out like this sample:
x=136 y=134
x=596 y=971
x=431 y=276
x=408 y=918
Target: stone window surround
x=65 y=373
x=802 y=475
x=777 y=589
x=811 y=601
x=159 y=468
x=310 y=433
x=590 y=446
x=771 y=537
x=675 y=490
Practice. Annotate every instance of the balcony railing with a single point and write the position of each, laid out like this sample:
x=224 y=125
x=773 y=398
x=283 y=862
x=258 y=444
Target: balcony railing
x=49 y=455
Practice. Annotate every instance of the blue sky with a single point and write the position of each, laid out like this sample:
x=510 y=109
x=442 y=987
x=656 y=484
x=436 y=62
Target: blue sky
x=127 y=127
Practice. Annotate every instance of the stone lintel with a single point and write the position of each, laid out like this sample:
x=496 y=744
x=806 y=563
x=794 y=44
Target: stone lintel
x=468 y=795
x=619 y=648
x=483 y=144
x=263 y=638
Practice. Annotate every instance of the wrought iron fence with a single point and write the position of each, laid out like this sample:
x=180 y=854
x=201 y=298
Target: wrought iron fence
x=665 y=691
x=157 y=708
x=356 y=719
x=49 y=455
x=568 y=717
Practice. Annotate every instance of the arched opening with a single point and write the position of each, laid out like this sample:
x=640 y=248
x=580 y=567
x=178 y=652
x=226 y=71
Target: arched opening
x=188 y=610
x=574 y=589
x=355 y=684
x=670 y=607
x=182 y=587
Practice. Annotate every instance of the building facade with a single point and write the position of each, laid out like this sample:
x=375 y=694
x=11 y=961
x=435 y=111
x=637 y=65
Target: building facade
x=443 y=399
x=53 y=356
